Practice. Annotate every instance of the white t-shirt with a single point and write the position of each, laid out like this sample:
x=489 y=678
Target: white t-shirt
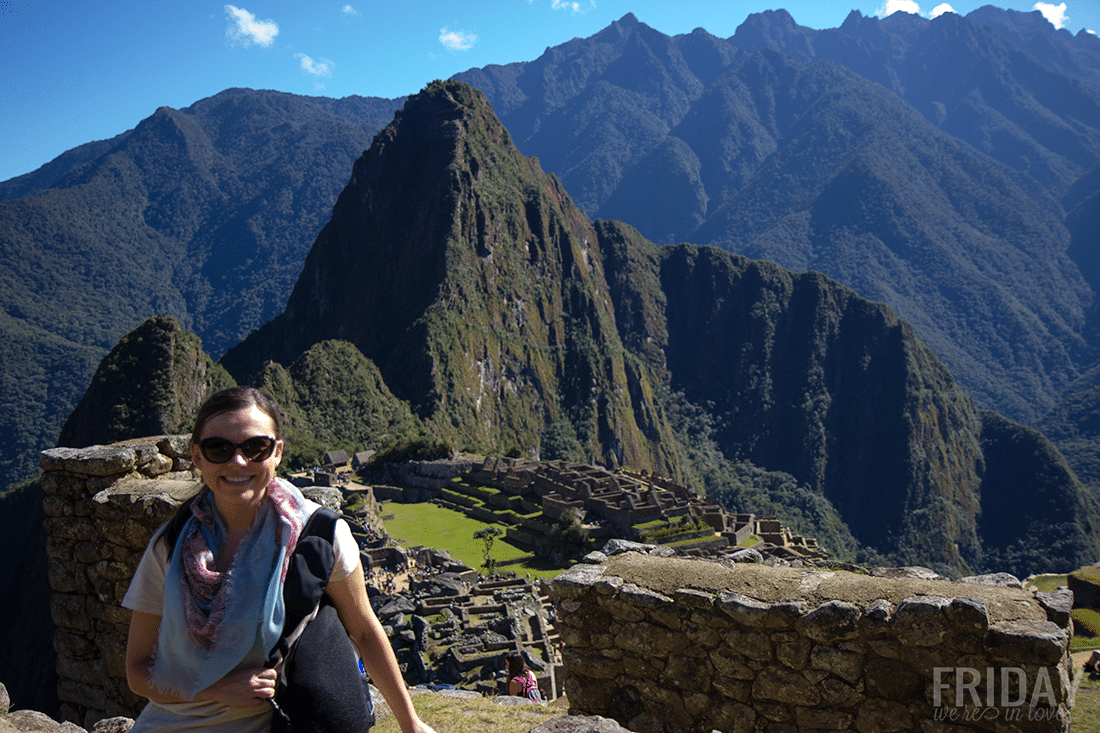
x=146 y=593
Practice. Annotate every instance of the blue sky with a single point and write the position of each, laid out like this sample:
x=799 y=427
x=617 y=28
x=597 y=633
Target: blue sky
x=74 y=71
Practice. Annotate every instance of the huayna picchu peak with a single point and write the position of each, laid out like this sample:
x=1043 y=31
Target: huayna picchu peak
x=472 y=281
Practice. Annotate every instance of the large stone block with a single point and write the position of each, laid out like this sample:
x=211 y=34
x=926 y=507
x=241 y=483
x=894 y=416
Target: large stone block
x=65 y=486
x=73 y=645
x=744 y=611
x=1027 y=642
x=831 y=622
x=921 y=621
x=591 y=664
x=81 y=694
x=730 y=716
x=783 y=684
x=649 y=640
x=69 y=528
x=687 y=673
x=848 y=665
x=97 y=460
x=882 y=716
x=731 y=664
x=67 y=577
x=891 y=679
x=1057 y=605
x=692 y=598
x=577 y=581
x=795 y=654
x=752 y=644
x=968 y=614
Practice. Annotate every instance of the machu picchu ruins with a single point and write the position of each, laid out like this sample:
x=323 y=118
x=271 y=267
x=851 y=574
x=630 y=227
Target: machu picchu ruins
x=530 y=498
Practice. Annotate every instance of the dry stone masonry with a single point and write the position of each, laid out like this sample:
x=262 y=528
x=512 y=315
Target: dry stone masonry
x=672 y=644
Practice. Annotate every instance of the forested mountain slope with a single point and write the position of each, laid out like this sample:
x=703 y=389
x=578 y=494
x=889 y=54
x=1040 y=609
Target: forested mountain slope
x=205 y=214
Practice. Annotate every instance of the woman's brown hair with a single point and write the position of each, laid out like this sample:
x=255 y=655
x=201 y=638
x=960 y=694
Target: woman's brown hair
x=516 y=665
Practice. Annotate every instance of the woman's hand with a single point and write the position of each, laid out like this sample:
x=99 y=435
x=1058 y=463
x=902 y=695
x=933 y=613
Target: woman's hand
x=242 y=689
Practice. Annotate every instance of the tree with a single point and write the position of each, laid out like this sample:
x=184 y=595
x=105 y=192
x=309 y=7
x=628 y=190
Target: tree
x=568 y=538
x=488 y=535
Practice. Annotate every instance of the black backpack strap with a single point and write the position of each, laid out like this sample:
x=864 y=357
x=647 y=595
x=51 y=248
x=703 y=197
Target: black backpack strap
x=307 y=576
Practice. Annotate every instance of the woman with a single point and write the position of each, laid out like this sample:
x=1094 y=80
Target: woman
x=521 y=680
x=208 y=607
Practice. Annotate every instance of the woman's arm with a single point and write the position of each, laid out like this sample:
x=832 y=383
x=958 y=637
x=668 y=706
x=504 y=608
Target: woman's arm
x=349 y=596
x=244 y=688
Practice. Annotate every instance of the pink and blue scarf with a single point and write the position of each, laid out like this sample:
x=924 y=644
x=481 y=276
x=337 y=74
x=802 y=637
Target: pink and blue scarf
x=215 y=622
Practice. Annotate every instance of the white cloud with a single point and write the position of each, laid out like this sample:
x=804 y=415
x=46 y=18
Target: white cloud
x=941 y=9
x=348 y=10
x=1056 y=14
x=457 y=40
x=892 y=6
x=244 y=27
x=572 y=5
x=317 y=68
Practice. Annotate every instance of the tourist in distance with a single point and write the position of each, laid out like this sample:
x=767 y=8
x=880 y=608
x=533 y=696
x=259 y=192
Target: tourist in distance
x=521 y=680
x=208 y=608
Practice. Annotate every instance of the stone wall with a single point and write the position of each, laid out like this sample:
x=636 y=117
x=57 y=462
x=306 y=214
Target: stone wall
x=1085 y=584
x=102 y=505
x=665 y=644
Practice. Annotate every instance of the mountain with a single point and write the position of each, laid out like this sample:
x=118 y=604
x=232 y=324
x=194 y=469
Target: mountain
x=117 y=231
x=504 y=316
x=168 y=375
x=1077 y=57
x=764 y=145
x=533 y=321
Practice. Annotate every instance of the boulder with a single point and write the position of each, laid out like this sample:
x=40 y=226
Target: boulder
x=579 y=724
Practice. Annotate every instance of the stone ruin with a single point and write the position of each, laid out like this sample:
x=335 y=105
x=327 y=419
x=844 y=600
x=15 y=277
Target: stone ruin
x=530 y=497
x=676 y=645
x=462 y=640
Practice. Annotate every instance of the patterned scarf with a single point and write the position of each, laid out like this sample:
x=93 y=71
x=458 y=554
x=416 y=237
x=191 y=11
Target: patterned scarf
x=215 y=621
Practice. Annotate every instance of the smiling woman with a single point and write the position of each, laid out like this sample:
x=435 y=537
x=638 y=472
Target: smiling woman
x=207 y=597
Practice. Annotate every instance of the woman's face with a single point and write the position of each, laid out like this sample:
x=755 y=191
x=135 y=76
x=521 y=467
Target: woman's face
x=239 y=484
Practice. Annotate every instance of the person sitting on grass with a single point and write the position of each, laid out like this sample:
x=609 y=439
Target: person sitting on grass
x=521 y=680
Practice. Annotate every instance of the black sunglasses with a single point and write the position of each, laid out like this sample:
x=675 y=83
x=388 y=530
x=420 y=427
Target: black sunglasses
x=220 y=450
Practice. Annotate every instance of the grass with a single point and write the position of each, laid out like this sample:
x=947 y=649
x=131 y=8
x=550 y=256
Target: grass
x=1049 y=583
x=1081 y=643
x=1088 y=618
x=445 y=529
x=1089 y=573
x=1085 y=715
x=458 y=715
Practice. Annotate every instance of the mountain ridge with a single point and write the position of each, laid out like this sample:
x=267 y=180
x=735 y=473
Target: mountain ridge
x=514 y=323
